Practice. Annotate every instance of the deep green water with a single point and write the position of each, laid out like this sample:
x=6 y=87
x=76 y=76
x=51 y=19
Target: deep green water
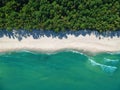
x=64 y=70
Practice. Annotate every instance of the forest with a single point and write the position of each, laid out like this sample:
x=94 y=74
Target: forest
x=60 y=15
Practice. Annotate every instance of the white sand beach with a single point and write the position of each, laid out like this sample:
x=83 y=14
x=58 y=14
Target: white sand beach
x=85 y=43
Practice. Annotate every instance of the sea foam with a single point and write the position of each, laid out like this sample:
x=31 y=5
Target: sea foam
x=106 y=60
x=106 y=68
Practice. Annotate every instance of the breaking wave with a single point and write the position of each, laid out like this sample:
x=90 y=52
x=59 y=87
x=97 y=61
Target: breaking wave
x=106 y=68
x=106 y=60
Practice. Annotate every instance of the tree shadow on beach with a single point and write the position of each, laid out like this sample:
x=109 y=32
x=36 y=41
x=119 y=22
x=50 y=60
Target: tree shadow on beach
x=37 y=34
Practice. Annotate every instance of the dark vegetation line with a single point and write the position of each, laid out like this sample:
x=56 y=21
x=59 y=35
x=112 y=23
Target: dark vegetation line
x=60 y=15
x=37 y=34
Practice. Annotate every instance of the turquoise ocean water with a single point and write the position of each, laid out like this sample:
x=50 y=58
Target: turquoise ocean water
x=65 y=70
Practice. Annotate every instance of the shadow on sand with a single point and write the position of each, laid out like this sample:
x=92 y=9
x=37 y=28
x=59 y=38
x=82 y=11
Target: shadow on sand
x=36 y=34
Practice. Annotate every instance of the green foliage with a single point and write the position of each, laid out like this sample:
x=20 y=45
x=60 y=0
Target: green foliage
x=60 y=15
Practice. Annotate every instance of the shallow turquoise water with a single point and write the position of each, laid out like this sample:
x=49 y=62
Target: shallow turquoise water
x=65 y=70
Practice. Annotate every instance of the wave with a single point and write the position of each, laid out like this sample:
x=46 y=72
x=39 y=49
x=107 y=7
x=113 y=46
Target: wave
x=75 y=51
x=106 y=68
x=27 y=51
x=41 y=52
x=109 y=69
x=106 y=60
x=59 y=51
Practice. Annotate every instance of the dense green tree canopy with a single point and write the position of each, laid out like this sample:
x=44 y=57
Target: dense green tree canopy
x=60 y=15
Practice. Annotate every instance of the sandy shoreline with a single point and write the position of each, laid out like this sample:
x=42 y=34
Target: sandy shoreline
x=85 y=43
